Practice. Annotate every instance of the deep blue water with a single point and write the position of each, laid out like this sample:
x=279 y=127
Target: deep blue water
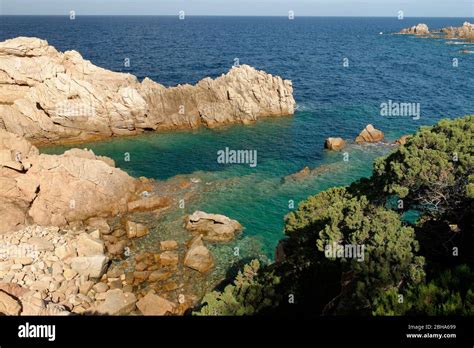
x=333 y=100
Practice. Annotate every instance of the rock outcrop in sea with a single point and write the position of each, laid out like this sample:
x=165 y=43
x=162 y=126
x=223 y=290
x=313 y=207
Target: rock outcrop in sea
x=369 y=135
x=419 y=29
x=213 y=227
x=466 y=31
x=51 y=97
x=334 y=144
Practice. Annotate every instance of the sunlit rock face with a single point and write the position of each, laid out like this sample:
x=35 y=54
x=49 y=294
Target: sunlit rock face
x=53 y=97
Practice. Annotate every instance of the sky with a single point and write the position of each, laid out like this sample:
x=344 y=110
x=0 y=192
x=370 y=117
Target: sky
x=411 y=8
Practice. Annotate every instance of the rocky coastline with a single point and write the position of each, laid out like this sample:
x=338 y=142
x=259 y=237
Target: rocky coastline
x=50 y=97
x=68 y=233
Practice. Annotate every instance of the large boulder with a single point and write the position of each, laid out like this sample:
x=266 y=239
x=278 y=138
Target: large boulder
x=76 y=189
x=57 y=189
x=117 y=302
x=152 y=304
x=369 y=135
x=198 y=257
x=335 y=144
x=90 y=266
x=213 y=227
x=50 y=97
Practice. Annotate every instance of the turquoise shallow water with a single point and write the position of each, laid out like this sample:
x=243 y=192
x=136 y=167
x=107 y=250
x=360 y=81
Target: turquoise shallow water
x=257 y=197
x=332 y=100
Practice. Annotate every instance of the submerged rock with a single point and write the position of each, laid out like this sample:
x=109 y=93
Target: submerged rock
x=213 y=227
x=369 y=135
x=402 y=140
x=307 y=173
x=53 y=97
x=135 y=230
x=168 y=245
x=151 y=203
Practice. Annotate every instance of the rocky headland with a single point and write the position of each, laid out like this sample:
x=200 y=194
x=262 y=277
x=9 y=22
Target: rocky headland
x=50 y=97
x=466 y=31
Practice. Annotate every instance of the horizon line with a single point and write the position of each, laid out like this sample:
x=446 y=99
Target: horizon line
x=221 y=15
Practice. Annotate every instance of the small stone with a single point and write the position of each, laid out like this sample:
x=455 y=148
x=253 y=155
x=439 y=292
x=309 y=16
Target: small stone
x=141 y=276
x=5 y=265
x=99 y=224
x=135 y=230
x=169 y=258
x=24 y=260
x=160 y=275
x=141 y=266
x=16 y=267
x=152 y=304
x=65 y=251
x=118 y=233
x=100 y=287
x=127 y=288
x=69 y=273
x=116 y=284
x=170 y=286
x=56 y=269
x=168 y=245
x=117 y=303
x=41 y=244
x=86 y=287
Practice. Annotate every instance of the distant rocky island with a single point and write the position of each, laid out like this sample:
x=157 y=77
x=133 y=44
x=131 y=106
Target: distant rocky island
x=466 y=31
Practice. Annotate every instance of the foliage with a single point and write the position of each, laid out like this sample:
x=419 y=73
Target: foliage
x=339 y=219
x=434 y=170
x=451 y=293
x=248 y=295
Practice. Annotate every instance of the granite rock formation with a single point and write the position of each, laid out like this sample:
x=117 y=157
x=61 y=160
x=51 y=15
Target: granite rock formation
x=53 y=97
x=419 y=29
x=57 y=189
